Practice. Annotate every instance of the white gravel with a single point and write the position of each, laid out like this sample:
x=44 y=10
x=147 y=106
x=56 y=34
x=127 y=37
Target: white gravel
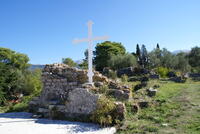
x=22 y=123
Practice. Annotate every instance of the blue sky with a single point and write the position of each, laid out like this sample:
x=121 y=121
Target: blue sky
x=44 y=29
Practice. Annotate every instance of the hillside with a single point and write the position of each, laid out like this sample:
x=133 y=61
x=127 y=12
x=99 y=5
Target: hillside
x=36 y=66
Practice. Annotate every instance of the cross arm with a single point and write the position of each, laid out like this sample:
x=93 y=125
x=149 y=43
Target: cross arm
x=100 y=38
x=75 y=41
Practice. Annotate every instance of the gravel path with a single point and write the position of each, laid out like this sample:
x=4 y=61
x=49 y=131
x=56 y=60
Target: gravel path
x=22 y=123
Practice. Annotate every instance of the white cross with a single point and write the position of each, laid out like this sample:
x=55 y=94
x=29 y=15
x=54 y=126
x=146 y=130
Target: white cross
x=90 y=40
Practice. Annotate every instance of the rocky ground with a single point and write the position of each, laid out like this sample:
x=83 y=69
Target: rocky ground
x=22 y=123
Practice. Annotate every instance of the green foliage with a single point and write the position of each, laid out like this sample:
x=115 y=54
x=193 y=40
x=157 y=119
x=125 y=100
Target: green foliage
x=157 y=46
x=166 y=59
x=103 y=89
x=15 y=77
x=155 y=58
x=83 y=65
x=69 y=62
x=124 y=78
x=2 y=98
x=14 y=59
x=195 y=69
x=138 y=53
x=104 y=51
x=12 y=68
x=112 y=74
x=194 y=57
x=144 y=60
x=162 y=71
x=175 y=105
x=121 y=61
x=21 y=106
x=32 y=82
x=103 y=113
x=160 y=58
x=181 y=62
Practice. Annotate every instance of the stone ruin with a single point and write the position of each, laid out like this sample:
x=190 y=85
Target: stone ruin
x=66 y=95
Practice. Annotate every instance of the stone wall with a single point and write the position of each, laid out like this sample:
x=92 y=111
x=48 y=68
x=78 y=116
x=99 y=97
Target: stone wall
x=66 y=94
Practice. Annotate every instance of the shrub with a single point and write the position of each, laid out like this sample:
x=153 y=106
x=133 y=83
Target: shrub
x=124 y=78
x=103 y=114
x=162 y=71
x=2 y=97
x=20 y=107
x=32 y=82
x=112 y=75
x=103 y=89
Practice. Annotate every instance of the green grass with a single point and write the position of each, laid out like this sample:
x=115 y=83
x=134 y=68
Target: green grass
x=176 y=110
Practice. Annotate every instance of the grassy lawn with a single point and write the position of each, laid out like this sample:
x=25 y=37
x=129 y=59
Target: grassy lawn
x=176 y=110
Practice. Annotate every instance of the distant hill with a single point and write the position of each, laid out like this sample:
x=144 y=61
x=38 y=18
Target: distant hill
x=179 y=51
x=33 y=67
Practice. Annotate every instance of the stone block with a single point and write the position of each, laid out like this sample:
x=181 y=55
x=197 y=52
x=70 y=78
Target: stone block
x=134 y=108
x=143 y=104
x=120 y=110
x=154 y=76
x=151 y=92
x=43 y=110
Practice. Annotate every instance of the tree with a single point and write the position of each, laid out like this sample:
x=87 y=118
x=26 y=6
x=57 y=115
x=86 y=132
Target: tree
x=32 y=83
x=157 y=46
x=194 y=57
x=121 y=61
x=144 y=57
x=104 y=51
x=181 y=62
x=14 y=59
x=167 y=59
x=13 y=66
x=69 y=62
x=155 y=57
x=138 y=51
x=155 y=61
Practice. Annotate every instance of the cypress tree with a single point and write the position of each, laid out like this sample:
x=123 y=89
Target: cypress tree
x=138 y=53
x=158 y=46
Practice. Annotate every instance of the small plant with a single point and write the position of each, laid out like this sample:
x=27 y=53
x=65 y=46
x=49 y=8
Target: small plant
x=103 y=114
x=18 y=107
x=124 y=78
x=112 y=75
x=103 y=89
x=162 y=71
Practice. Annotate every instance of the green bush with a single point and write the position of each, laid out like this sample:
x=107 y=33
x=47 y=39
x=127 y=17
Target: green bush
x=162 y=71
x=2 y=97
x=32 y=82
x=112 y=75
x=19 y=107
x=124 y=78
x=103 y=89
x=103 y=114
